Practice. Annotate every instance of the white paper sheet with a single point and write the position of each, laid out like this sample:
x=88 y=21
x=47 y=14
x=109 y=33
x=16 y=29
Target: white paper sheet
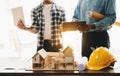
x=17 y=14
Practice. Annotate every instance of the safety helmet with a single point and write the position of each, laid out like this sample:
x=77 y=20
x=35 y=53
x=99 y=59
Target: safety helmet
x=100 y=58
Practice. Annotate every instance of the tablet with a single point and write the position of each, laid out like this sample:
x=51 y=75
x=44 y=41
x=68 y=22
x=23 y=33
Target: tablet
x=17 y=14
x=72 y=26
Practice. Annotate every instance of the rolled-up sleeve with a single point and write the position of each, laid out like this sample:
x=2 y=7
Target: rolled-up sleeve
x=110 y=16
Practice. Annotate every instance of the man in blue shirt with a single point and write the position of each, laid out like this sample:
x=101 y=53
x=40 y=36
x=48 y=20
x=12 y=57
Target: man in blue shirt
x=46 y=19
x=94 y=34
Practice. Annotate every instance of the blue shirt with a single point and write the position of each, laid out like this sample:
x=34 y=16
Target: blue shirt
x=105 y=7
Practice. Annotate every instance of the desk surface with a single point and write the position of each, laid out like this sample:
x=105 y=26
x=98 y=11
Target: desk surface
x=16 y=67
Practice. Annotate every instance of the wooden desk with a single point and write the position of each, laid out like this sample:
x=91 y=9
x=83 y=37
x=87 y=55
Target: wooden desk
x=16 y=68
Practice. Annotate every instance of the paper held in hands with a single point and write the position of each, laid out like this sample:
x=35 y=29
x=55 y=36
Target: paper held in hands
x=72 y=26
x=95 y=15
x=17 y=14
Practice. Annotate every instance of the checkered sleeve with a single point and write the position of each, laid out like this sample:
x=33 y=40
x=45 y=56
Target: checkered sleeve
x=34 y=18
x=63 y=19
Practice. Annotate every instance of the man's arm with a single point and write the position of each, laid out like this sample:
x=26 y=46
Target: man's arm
x=76 y=15
x=23 y=27
x=110 y=16
x=32 y=30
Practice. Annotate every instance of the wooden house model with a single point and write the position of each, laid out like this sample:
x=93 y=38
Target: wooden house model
x=68 y=57
x=38 y=60
x=54 y=60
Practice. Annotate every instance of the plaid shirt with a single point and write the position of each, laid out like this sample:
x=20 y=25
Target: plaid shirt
x=57 y=17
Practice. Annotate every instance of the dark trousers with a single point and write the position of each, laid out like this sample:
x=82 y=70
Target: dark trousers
x=48 y=47
x=94 y=39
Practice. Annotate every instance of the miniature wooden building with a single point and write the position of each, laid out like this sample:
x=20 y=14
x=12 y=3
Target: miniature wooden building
x=68 y=57
x=38 y=60
x=68 y=54
x=54 y=60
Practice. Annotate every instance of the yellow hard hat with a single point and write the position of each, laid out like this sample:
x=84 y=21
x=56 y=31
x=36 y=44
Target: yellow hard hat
x=100 y=58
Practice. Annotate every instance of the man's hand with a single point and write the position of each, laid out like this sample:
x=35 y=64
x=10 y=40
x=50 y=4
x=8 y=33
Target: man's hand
x=86 y=28
x=75 y=20
x=21 y=25
x=61 y=27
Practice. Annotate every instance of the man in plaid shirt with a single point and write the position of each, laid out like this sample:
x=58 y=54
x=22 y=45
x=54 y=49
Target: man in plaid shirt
x=46 y=19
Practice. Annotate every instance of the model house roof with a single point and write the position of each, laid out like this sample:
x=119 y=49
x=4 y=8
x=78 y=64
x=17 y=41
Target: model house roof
x=42 y=53
x=68 y=51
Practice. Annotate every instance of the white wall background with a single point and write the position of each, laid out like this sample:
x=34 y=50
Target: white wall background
x=19 y=43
